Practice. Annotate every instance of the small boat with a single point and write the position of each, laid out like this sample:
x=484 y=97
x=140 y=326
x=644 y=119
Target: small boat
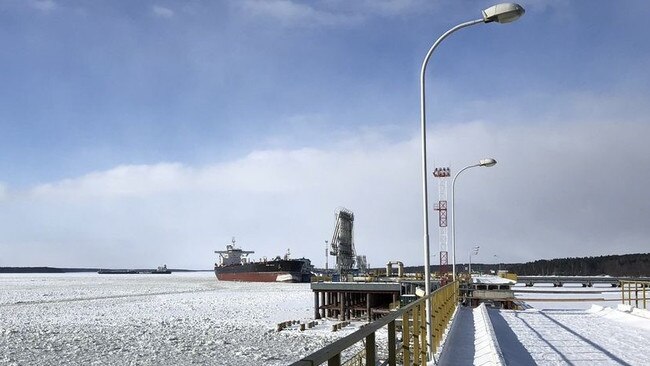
x=162 y=270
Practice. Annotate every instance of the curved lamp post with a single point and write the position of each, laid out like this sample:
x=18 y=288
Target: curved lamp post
x=501 y=13
x=483 y=162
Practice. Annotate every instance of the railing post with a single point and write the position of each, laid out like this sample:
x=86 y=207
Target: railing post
x=370 y=349
x=416 y=336
x=622 y=292
x=406 y=340
x=423 y=332
x=335 y=360
x=434 y=321
x=392 y=359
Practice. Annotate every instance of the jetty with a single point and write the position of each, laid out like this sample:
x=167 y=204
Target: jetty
x=479 y=320
x=363 y=300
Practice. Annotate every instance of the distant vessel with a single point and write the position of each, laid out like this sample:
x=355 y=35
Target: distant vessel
x=117 y=271
x=160 y=270
x=234 y=265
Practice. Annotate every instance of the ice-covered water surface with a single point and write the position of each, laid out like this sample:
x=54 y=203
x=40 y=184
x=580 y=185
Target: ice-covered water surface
x=180 y=319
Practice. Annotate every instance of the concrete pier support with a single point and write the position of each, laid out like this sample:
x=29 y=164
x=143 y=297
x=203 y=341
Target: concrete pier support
x=350 y=300
x=322 y=303
x=316 y=305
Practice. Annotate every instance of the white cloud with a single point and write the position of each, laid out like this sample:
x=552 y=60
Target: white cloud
x=573 y=189
x=394 y=7
x=43 y=5
x=162 y=12
x=290 y=13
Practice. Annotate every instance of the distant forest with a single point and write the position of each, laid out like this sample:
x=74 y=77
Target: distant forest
x=67 y=270
x=634 y=265
x=614 y=265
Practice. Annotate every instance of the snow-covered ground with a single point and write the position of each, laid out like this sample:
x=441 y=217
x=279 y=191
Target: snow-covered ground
x=190 y=318
x=179 y=319
x=572 y=337
x=571 y=325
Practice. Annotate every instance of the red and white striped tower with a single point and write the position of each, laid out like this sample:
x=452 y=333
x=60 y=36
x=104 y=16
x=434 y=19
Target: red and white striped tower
x=443 y=175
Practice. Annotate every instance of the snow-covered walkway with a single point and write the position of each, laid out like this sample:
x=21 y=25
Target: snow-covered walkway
x=577 y=337
x=599 y=336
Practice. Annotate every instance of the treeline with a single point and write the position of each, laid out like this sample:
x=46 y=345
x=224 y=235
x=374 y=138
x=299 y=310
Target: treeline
x=68 y=270
x=612 y=265
x=30 y=270
x=634 y=265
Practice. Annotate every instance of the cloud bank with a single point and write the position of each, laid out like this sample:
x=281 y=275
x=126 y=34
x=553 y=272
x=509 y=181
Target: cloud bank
x=558 y=190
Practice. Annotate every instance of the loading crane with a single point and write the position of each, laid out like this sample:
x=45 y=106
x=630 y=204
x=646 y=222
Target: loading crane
x=342 y=243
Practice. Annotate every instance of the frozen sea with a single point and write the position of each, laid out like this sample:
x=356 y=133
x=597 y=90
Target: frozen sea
x=175 y=319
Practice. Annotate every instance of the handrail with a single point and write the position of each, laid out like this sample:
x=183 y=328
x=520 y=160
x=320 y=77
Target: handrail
x=633 y=288
x=443 y=304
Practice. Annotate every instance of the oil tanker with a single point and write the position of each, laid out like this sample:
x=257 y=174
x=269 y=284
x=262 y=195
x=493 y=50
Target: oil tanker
x=234 y=265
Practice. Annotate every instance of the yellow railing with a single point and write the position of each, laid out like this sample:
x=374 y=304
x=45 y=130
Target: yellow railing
x=637 y=293
x=414 y=342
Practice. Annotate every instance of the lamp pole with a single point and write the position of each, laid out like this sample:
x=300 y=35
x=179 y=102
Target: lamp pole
x=483 y=162
x=500 y=13
x=326 y=257
x=474 y=250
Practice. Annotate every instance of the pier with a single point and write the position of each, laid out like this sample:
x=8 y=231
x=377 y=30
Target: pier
x=362 y=300
x=481 y=332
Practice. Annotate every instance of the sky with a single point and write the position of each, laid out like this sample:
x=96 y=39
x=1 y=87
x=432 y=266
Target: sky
x=134 y=134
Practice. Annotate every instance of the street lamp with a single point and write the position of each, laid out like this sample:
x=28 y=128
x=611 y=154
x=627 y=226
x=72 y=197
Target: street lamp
x=489 y=162
x=496 y=257
x=326 y=257
x=474 y=251
x=501 y=13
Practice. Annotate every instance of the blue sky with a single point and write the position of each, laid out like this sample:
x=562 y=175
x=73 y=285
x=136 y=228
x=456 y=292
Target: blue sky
x=153 y=131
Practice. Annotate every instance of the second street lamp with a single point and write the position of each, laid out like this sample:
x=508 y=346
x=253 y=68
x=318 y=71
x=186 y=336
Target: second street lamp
x=475 y=252
x=483 y=162
x=501 y=13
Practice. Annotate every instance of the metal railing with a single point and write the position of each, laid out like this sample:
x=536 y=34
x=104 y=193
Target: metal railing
x=633 y=289
x=413 y=324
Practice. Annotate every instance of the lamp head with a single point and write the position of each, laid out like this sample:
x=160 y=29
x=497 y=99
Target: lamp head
x=487 y=162
x=503 y=13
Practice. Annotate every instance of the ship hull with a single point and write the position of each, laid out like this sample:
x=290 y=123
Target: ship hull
x=261 y=277
x=273 y=271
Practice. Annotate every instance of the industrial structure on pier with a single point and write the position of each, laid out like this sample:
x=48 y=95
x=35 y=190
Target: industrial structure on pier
x=342 y=245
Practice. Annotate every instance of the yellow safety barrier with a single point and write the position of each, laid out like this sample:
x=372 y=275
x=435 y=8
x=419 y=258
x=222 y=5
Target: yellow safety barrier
x=414 y=333
x=637 y=293
x=508 y=275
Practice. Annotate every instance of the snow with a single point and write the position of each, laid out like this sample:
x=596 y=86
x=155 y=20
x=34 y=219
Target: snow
x=180 y=319
x=488 y=351
x=553 y=332
x=191 y=318
x=492 y=280
x=578 y=337
x=472 y=340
